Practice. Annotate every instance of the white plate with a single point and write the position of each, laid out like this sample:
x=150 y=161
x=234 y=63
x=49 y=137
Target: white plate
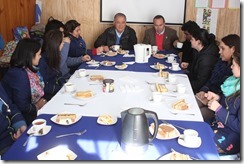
x=92 y=62
x=167 y=157
x=122 y=52
x=160 y=56
x=78 y=117
x=121 y=66
x=194 y=144
x=175 y=70
x=107 y=63
x=46 y=130
x=129 y=62
x=111 y=53
x=177 y=133
x=103 y=121
x=155 y=67
x=93 y=65
x=57 y=153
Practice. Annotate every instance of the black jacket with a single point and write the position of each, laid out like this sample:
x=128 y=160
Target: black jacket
x=202 y=66
x=108 y=38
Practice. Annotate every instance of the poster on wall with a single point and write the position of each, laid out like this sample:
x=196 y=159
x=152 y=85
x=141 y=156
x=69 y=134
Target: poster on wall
x=207 y=19
x=38 y=11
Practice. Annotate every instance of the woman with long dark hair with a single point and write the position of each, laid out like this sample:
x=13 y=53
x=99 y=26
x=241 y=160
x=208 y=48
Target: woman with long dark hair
x=206 y=55
x=50 y=62
x=23 y=81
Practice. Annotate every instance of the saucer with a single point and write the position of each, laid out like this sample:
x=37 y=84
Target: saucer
x=46 y=130
x=195 y=144
x=175 y=70
x=170 y=62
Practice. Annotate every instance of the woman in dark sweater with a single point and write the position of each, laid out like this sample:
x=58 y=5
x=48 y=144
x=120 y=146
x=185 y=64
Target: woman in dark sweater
x=206 y=55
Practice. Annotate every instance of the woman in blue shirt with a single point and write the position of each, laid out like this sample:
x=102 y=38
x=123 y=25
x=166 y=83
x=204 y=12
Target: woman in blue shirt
x=77 y=50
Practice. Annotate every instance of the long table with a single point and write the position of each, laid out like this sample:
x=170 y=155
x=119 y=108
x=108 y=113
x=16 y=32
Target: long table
x=103 y=142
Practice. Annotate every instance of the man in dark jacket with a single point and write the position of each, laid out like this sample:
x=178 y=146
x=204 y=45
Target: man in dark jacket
x=12 y=122
x=119 y=34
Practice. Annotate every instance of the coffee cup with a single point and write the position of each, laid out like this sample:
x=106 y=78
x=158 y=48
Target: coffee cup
x=69 y=87
x=190 y=136
x=175 y=66
x=157 y=97
x=38 y=125
x=116 y=47
x=82 y=72
x=179 y=45
x=172 y=78
x=154 y=49
x=181 y=88
x=171 y=59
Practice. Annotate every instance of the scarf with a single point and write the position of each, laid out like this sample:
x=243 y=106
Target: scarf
x=36 y=85
x=230 y=86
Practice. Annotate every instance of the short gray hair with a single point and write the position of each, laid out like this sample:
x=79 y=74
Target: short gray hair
x=119 y=15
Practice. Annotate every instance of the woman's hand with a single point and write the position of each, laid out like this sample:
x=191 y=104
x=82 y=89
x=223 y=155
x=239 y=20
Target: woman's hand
x=66 y=39
x=86 y=58
x=19 y=132
x=39 y=104
x=213 y=105
x=212 y=96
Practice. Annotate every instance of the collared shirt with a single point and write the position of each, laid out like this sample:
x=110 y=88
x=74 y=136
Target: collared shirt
x=118 y=36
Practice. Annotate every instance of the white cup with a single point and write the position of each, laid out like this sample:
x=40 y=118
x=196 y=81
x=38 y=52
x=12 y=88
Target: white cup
x=38 y=124
x=69 y=87
x=171 y=59
x=157 y=97
x=172 y=78
x=154 y=49
x=190 y=136
x=82 y=72
x=179 y=45
x=181 y=88
x=175 y=66
x=116 y=47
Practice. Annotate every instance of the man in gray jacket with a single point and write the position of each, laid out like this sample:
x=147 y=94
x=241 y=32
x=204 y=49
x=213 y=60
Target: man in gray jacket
x=160 y=35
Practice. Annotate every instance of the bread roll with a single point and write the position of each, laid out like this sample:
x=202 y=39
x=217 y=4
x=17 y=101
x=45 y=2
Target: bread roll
x=161 y=88
x=165 y=131
x=179 y=156
x=96 y=77
x=61 y=117
x=180 y=105
x=84 y=94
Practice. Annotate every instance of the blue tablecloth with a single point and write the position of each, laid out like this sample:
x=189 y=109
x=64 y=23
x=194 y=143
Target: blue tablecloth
x=137 y=67
x=99 y=142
